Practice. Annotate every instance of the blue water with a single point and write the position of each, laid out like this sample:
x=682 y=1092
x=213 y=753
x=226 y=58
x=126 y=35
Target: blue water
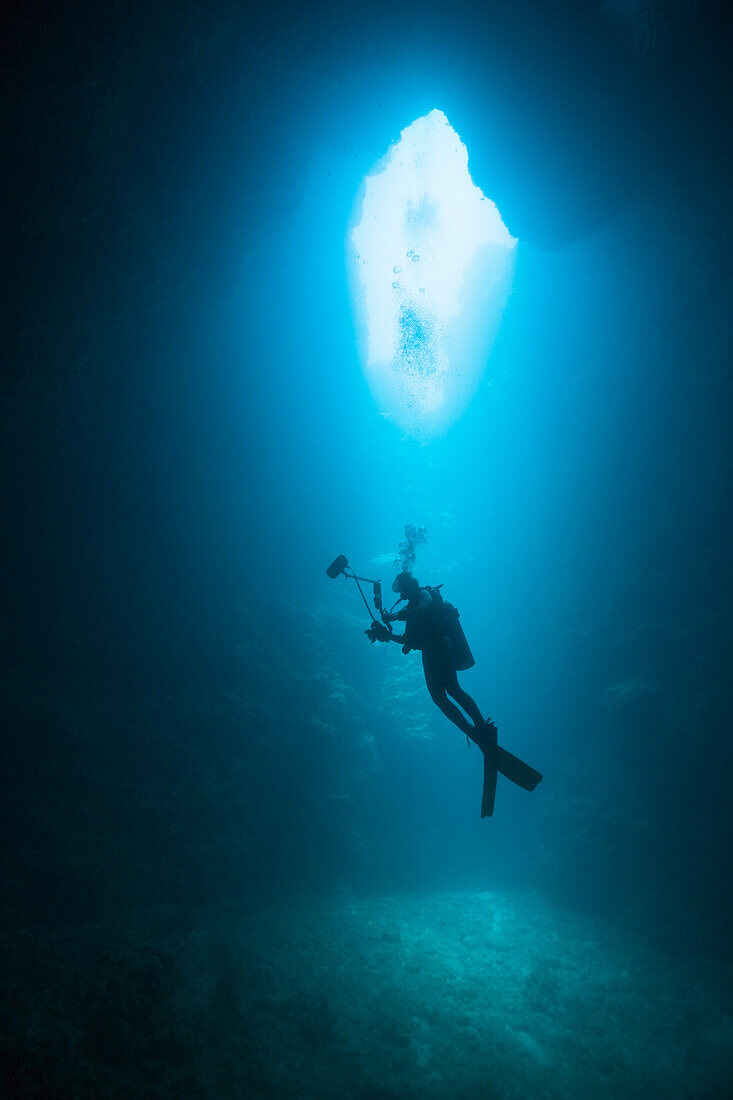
x=244 y=850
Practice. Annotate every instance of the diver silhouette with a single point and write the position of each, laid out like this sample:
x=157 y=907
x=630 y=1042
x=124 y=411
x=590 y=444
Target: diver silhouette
x=432 y=626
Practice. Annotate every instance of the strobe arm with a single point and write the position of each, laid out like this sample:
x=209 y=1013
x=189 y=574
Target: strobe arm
x=340 y=566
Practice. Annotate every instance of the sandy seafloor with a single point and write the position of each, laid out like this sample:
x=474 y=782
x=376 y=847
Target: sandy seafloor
x=443 y=995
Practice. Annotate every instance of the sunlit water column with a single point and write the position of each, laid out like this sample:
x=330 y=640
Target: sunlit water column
x=431 y=264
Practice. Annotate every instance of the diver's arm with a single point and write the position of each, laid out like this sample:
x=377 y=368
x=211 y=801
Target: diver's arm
x=401 y=638
x=388 y=619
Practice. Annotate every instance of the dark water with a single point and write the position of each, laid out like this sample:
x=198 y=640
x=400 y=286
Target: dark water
x=243 y=853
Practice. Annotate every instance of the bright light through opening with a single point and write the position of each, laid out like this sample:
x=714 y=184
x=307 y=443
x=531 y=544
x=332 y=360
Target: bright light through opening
x=432 y=264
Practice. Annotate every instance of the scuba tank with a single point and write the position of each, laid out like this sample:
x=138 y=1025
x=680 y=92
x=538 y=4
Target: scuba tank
x=448 y=616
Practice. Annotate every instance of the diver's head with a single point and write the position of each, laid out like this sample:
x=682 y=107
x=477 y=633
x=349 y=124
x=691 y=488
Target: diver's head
x=406 y=586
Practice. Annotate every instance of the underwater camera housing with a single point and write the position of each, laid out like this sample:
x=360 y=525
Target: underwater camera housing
x=447 y=615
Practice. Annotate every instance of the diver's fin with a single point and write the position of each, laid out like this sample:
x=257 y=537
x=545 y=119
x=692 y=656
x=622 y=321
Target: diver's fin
x=516 y=770
x=508 y=764
x=489 y=792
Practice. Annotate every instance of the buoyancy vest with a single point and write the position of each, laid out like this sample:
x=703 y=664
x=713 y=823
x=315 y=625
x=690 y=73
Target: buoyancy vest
x=432 y=619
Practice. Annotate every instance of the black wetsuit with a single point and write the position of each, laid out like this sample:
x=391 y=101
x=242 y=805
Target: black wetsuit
x=424 y=630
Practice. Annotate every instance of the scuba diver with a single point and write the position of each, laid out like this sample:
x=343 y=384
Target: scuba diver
x=432 y=626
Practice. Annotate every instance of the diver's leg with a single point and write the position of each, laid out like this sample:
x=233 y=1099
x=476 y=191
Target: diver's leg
x=465 y=700
x=436 y=687
x=440 y=673
x=450 y=679
x=453 y=713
